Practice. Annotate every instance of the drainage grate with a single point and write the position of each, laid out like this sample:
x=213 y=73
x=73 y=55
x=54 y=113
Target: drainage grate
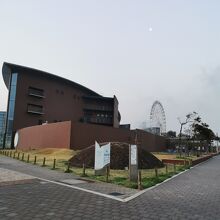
x=116 y=194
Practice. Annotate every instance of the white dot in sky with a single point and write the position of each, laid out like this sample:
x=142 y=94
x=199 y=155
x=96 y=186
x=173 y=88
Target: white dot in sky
x=150 y=29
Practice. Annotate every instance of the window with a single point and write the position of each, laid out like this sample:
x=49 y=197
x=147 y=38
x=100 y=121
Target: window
x=35 y=109
x=36 y=92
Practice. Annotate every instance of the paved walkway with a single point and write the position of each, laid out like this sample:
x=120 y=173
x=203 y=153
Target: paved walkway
x=192 y=195
x=109 y=190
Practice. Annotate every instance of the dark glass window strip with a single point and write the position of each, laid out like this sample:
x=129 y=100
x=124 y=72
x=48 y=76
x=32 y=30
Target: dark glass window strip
x=11 y=107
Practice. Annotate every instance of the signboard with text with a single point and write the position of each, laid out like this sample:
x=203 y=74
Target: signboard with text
x=102 y=155
x=133 y=154
x=133 y=163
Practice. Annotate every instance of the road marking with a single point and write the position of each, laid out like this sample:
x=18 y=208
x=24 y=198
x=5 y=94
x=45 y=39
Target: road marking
x=82 y=189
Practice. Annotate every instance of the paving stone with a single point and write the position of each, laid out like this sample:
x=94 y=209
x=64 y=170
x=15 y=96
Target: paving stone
x=192 y=195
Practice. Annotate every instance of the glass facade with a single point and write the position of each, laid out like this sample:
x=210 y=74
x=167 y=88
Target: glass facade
x=11 y=108
x=2 y=127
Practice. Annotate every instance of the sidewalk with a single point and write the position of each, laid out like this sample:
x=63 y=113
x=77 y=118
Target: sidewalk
x=25 y=171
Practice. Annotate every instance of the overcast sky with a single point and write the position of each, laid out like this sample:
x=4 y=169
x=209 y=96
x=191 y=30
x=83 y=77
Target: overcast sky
x=138 y=50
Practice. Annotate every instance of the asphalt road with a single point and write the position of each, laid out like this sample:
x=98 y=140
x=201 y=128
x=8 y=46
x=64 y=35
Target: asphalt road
x=192 y=195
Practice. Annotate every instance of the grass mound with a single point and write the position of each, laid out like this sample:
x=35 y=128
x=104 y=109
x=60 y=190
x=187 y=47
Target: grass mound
x=119 y=157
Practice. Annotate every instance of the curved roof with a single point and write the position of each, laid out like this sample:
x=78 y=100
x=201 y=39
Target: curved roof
x=8 y=68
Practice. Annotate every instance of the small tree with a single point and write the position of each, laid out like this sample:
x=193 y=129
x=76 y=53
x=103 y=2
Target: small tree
x=189 y=140
x=189 y=119
x=203 y=134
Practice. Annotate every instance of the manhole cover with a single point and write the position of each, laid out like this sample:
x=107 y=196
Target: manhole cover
x=116 y=194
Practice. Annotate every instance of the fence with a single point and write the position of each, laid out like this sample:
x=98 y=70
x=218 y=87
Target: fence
x=147 y=177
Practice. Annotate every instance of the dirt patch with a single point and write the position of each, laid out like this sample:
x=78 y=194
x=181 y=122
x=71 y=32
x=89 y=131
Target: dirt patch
x=165 y=156
x=119 y=157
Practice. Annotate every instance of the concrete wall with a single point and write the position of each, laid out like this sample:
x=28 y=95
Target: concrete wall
x=84 y=135
x=77 y=136
x=151 y=142
x=54 y=135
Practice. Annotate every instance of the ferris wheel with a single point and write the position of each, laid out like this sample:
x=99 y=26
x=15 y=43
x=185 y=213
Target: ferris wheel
x=158 y=117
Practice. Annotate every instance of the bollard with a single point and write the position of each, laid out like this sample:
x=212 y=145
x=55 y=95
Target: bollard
x=139 y=180
x=84 y=170
x=28 y=157
x=54 y=164
x=10 y=153
x=18 y=155
x=68 y=167
x=107 y=173
x=22 y=157
x=14 y=155
x=156 y=172
x=166 y=169
x=7 y=153
x=174 y=167
x=44 y=161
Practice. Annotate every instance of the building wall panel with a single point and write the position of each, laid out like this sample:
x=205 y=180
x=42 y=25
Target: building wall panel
x=55 y=135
